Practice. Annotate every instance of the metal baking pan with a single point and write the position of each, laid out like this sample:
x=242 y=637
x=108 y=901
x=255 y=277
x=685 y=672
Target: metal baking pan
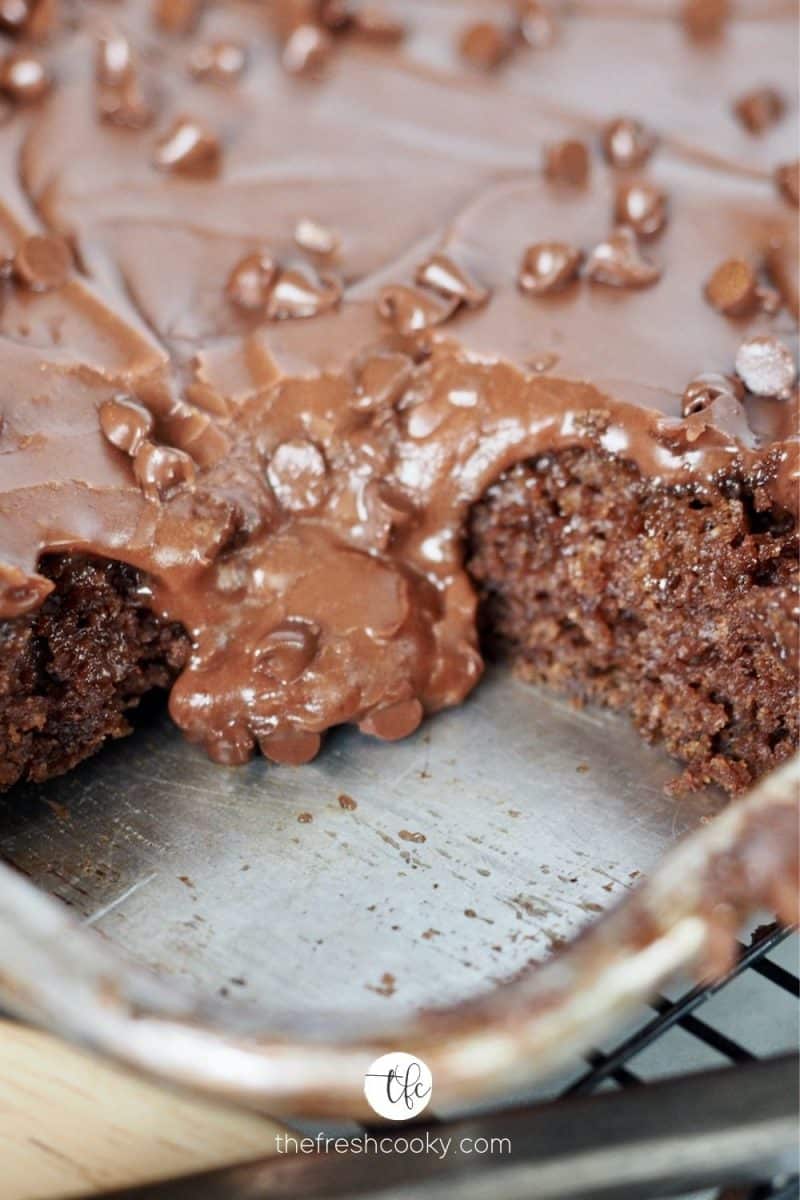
x=264 y=933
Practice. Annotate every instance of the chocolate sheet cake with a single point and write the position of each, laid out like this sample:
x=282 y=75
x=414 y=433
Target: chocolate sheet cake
x=340 y=342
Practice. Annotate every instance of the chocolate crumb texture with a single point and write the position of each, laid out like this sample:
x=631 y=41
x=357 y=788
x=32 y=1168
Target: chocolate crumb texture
x=345 y=345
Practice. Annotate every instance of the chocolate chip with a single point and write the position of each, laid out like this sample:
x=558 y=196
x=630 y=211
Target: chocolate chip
x=288 y=649
x=445 y=276
x=161 y=471
x=315 y=238
x=766 y=366
x=124 y=106
x=536 y=24
x=705 y=19
x=787 y=177
x=627 y=143
x=706 y=388
x=250 y=282
x=300 y=292
x=125 y=423
x=642 y=206
x=14 y=15
x=118 y=98
x=782 y=268
x=393 y=722
x=306 y=50
x=375 y=25
x=760 y=108
x=188 y=148
x=567 y=162
x=176 y=16
x=113 y=60
x=618 y=262
x=298 y=475
x=218 y=62
x=732 y=289
x=548 y=267
x=24 y=78
x=21 y=591
x=32 y=18
x=43 y=262
x=410 y=310
x=485 y=45
x=291 y=748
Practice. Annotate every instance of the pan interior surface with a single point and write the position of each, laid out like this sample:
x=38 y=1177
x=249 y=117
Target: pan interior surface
x=376 y=881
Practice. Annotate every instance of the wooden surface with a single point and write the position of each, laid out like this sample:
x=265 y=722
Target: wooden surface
x=70 y=1125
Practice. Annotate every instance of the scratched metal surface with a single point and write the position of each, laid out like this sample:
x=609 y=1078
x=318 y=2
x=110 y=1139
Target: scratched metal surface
x=474 y=847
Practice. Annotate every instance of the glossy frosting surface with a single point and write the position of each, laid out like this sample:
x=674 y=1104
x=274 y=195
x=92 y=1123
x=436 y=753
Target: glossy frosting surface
x=256 y=383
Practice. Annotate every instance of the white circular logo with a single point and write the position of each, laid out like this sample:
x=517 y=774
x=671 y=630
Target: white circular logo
x=398 y=1086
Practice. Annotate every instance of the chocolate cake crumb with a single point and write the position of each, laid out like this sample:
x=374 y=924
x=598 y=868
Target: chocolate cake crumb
x=70 y=670
x=673 y=606
x=290 y=454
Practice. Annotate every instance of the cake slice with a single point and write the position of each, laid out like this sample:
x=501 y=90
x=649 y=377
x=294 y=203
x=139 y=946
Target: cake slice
x=331 y=340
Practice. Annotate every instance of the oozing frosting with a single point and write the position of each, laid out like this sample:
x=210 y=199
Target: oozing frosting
x=287 y=286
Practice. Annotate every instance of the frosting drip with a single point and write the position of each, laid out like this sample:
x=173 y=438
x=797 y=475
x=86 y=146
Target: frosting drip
x=268 y=338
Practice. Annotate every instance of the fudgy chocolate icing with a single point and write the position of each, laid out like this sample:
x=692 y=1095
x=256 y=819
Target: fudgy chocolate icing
x=296 y=344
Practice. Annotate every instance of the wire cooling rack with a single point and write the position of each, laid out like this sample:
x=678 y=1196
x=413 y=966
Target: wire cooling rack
x=670 y=1013
x=616 y=1064
x=610 y=1134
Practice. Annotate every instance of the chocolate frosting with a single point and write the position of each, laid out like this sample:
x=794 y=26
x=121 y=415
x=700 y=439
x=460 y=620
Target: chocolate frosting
x=272 y=321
